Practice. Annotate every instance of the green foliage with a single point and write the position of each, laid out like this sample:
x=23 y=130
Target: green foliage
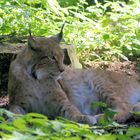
x=98 y=33
x=34 y=126
x=108 y=113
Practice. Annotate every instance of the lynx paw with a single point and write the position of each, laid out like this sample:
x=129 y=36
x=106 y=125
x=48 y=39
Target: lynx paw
x=121 y=117
x=91 y=120
x=136 y=108
x=98 y=117
x=16 y=109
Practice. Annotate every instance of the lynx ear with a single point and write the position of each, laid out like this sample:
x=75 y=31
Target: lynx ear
x=31 y=42
x=59 y=37
x=66 y=60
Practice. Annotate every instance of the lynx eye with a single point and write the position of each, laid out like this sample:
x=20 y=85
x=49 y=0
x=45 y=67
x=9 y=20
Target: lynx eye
x=49 y=58
x=33 y=49
x=53 y=58
x=44 y=57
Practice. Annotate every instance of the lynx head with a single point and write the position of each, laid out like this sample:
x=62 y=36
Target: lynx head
x=45 y=53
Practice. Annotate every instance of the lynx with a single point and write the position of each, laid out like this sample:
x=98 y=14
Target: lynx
x=32 y=90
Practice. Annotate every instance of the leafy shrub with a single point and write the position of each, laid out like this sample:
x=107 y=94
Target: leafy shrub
x=34 y=126
x=97 y=33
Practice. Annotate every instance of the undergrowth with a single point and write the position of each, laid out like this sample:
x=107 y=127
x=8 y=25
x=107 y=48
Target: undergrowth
x=99 y=32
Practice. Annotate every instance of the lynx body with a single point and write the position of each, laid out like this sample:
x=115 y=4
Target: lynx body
x=83 y=87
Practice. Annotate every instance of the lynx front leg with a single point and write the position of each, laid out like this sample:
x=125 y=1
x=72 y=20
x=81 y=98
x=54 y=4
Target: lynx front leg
x=61 y=105
x=71 y=112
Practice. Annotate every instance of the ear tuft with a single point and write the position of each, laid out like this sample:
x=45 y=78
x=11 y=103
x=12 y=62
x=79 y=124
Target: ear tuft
x=32 y=42
x=59 y=37
x=30 y=34
x=30 y=39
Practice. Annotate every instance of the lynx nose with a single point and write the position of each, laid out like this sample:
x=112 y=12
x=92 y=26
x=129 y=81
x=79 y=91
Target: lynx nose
x=61 y=68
